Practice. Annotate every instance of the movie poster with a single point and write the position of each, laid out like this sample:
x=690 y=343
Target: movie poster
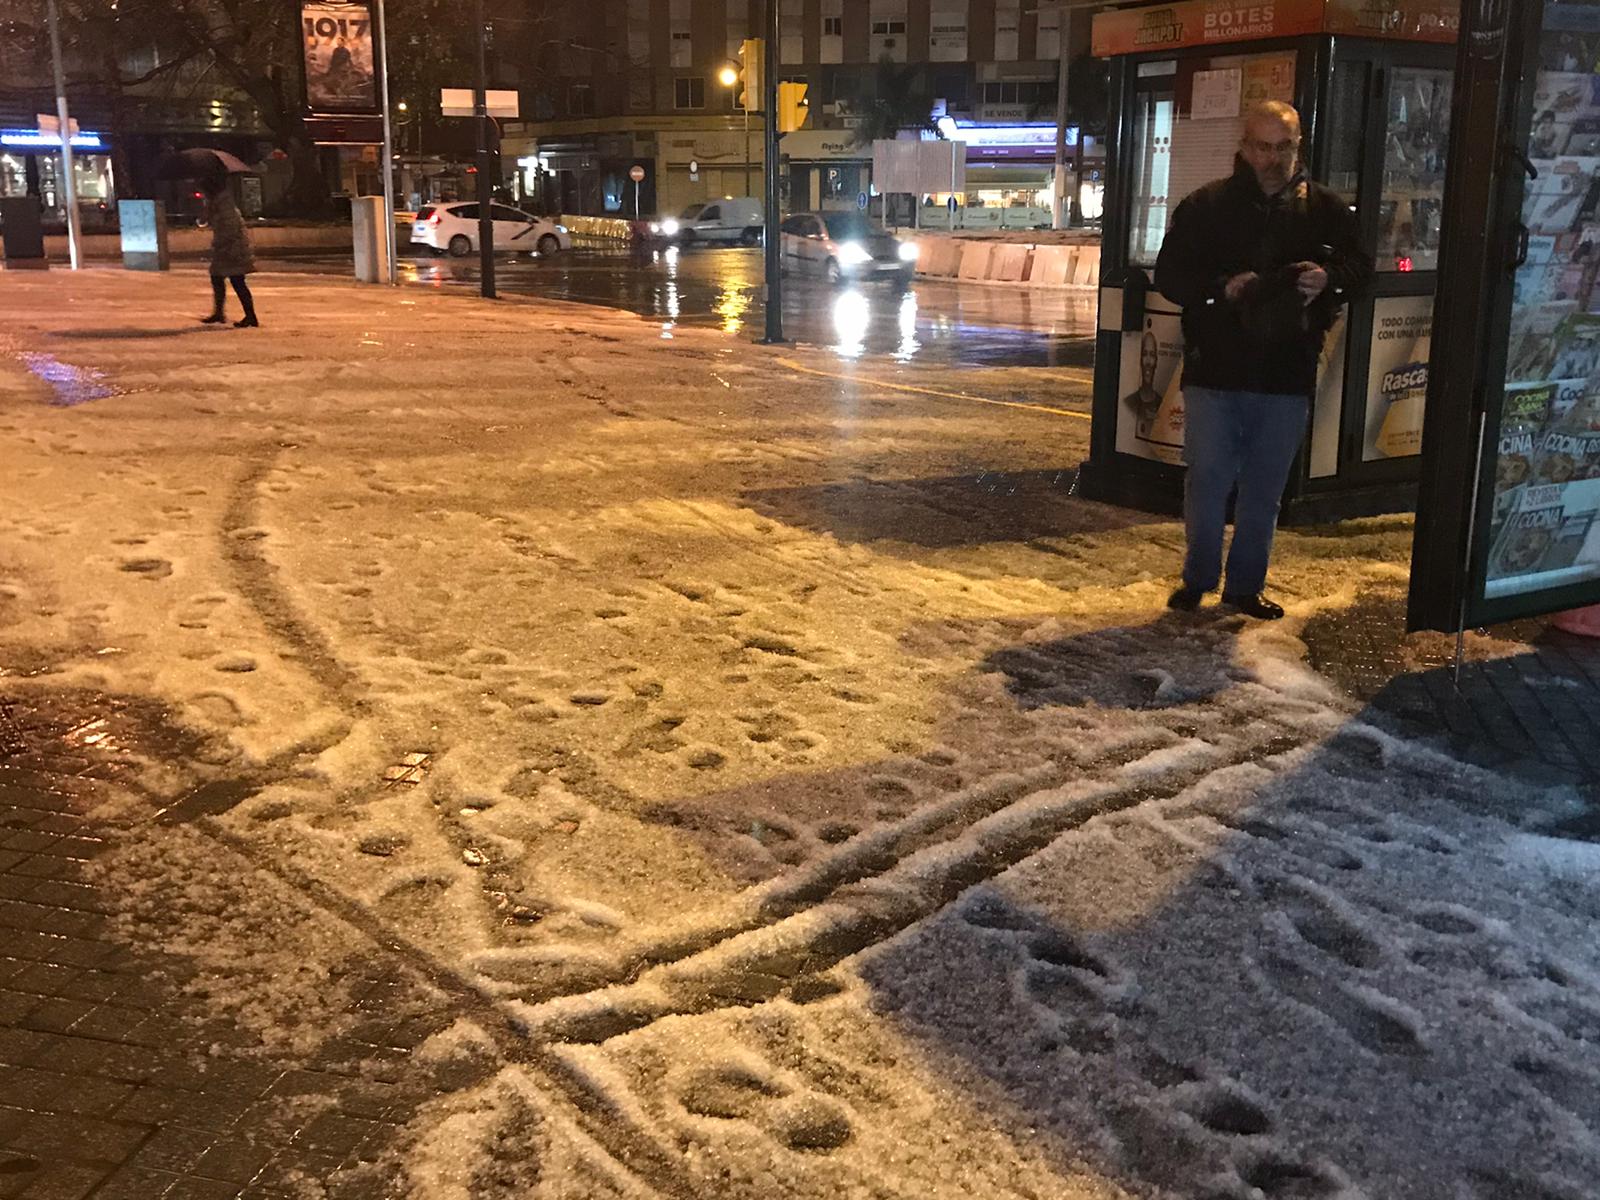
x=340 y=76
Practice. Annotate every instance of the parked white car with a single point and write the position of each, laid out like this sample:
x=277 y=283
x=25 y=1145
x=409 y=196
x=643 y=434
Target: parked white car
x=737 y=219
x=845 y=245
x=453 y=228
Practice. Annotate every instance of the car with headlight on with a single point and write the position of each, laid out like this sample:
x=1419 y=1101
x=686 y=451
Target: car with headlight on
x=845 y=245
x=453 y=228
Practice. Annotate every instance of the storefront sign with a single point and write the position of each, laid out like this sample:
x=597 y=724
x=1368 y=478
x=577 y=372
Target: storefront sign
x=339 y=71
x=1397 y=380
x=24 y=139
x=1410 y=20
x=1216 y=22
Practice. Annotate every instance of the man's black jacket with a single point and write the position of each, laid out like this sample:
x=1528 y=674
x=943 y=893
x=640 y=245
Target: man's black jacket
x=1268 y=341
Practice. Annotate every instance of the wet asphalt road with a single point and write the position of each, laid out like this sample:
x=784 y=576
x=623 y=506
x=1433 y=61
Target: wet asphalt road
x=935 y=322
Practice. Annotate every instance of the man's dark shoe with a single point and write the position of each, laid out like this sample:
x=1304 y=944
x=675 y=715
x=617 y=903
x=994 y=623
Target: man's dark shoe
x=1185 y=599
x=213 y=319
x=1258 y=607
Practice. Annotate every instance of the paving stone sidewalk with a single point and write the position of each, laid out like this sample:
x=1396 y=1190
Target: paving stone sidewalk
x=115 y=1083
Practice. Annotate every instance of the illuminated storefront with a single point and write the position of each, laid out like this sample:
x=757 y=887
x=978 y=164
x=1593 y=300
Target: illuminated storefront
x=30 y=164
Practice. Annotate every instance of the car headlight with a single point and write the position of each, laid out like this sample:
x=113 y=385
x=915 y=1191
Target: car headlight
x=669 y=227
x=561 y=229
x=853 y=254
x=908 y=252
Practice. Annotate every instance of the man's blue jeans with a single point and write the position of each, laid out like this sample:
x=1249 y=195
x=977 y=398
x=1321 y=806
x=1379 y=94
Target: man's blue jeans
x=1246 y=440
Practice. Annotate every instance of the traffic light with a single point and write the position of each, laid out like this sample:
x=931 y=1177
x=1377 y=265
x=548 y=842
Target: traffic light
x=752 y=52
x=793 y=107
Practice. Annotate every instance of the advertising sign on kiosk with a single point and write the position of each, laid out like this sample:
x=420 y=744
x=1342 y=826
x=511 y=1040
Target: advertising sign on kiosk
x=1508 y=522
x=1373 y=83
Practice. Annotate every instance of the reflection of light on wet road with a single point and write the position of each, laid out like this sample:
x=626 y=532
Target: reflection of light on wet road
x=909 y=345
x=72 y=385
x=851 y=316
x=722 y=289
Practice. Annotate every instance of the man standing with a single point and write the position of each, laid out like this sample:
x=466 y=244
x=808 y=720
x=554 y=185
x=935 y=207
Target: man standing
x=1260 y=263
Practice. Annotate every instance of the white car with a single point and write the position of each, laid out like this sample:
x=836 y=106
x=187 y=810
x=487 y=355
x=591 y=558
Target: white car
x=845 y=245
x=454 y=228
x=730 y=220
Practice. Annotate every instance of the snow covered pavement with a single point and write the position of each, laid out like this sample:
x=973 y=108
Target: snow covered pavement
x=788 y=787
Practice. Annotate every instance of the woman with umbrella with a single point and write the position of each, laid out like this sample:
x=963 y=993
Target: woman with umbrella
x=231 y=256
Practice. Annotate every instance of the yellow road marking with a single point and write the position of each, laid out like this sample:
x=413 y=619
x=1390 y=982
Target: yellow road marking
x=905 y=387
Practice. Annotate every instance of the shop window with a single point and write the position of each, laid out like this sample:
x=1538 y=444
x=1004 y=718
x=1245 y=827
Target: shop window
x=1413 y=170
x=689 y=93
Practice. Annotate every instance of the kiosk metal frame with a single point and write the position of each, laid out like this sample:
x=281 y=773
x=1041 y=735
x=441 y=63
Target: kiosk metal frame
x=1355 y=66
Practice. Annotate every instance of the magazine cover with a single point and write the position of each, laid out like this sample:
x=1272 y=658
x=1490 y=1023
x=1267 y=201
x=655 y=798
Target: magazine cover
x=1525 y=540
x=1567 y=542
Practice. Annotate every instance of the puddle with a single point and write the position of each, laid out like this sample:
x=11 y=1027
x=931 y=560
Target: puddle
x=71 y=385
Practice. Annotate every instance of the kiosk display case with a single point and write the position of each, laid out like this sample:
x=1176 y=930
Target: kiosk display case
x=1374 y=86
x=1509 y=515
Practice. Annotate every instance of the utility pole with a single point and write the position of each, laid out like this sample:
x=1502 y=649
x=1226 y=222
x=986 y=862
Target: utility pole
x=480 y=120
x=774 y=246
x=1059 y=210
x=388 y=145
x=69 y=189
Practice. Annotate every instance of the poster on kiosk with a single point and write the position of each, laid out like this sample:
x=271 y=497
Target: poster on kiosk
x=1509 y=510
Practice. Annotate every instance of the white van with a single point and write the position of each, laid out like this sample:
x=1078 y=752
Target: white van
x=737 y=220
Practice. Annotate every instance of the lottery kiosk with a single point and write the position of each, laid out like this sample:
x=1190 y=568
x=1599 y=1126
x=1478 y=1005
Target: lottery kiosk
x=1373 y=81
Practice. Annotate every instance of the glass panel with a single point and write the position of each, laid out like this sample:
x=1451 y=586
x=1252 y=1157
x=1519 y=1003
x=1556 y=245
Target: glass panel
x=1543 y=528
x=1347 y=122
x=1187 y=121
x=1413 y=170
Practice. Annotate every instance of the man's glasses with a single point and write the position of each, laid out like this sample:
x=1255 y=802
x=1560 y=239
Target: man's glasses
x=1281 y=149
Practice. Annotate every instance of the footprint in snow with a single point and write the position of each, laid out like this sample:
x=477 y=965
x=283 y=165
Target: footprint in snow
x=1380 y=1025
x=803 y=1122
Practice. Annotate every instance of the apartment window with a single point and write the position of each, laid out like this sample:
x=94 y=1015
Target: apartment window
x=639 y=31
x=947 y=32
x=1049 y=38
x=738 y=25
x=1007 y=20
x=887 y=25
x=580 y=100
x=689 y=93
x=832 y=45
x=1025 y=93
x=682 y=40
x=791 y=34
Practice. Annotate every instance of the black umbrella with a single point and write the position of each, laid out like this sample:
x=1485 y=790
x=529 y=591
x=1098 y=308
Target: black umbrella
x=202 y=163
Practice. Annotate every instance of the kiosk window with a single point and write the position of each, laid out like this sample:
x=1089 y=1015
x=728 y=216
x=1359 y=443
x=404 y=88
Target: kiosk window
x=1347 y=123
x=1413 y=170
x=1188 y=119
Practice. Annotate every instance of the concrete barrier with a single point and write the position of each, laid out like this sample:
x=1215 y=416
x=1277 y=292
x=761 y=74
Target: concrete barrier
x=1008 y=262
x=975 y=259
x=939 y=257
x=1087 y=271
x=192 y=242
x=1053 y=265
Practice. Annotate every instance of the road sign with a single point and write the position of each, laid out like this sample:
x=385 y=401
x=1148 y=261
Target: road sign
x=861 y=200
x=694 y=166
x=636 y=173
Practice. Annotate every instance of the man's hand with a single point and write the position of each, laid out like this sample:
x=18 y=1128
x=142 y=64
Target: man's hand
x=1312 y=281
x=1238 y=285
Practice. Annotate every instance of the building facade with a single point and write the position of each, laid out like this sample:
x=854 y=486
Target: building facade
x=639 y=82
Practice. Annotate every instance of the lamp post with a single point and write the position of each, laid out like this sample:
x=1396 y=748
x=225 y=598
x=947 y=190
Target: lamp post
x=728 y=77
x=68 y=185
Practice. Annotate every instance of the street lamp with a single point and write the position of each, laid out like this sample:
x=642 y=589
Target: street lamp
x=729 y=77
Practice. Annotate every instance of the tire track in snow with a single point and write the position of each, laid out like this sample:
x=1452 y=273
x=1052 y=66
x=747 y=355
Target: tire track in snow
x=256 y=578
x=844 y=912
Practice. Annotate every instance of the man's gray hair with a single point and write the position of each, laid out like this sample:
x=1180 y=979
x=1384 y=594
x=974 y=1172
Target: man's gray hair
x=1274 y=110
